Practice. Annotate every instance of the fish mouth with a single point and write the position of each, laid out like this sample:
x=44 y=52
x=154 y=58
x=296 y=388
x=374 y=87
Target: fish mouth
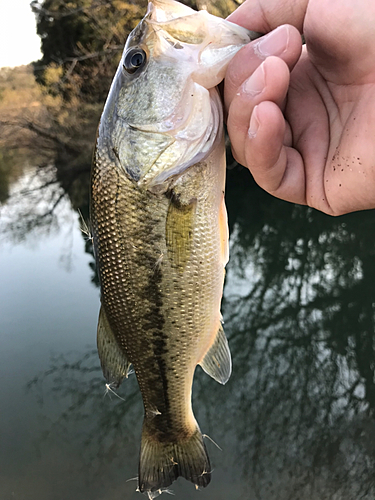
x=208 y=40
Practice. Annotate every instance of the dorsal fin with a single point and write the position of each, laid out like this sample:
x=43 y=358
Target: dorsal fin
x=218 y=362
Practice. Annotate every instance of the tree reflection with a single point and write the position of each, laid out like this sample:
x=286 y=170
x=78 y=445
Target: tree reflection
x=300 y=309
x=32 y=206
x=296 y=418
x=94 y=418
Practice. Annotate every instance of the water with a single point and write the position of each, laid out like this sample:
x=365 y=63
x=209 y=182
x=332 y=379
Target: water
x=295 y=421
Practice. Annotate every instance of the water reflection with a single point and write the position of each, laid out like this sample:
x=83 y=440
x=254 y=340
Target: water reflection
x=300 y=302
x=11 y=167
x=38 y=202
x=296 y=419
x=32 y=206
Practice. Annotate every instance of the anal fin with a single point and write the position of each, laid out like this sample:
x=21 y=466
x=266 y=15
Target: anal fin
x=218 y=362
x=114 y=364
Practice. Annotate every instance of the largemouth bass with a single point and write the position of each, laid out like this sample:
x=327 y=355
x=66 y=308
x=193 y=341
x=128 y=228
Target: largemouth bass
x=160 y=228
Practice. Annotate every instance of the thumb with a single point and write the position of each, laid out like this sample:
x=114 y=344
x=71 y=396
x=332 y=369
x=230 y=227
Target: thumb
x=266 y=15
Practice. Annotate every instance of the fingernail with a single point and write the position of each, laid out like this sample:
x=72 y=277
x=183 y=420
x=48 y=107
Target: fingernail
x=275 y=43
x=254 y=123
x=255 y=84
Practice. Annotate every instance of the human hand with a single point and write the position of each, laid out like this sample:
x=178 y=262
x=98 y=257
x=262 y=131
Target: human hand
x=303 y=119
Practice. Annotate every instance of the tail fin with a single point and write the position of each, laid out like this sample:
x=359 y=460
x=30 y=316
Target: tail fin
x=162 y=462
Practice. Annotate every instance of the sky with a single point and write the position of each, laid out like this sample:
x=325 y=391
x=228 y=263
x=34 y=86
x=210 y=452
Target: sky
x=19 y=43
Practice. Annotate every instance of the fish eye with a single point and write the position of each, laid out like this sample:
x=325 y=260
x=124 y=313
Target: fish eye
x=134 y=59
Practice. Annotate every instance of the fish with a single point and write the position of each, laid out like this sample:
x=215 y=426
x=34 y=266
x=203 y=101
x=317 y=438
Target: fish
x=159 y=228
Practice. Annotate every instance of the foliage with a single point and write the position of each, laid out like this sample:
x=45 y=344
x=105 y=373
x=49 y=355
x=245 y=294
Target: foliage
x=18 y=88
x=81 y=43
x=44 y=128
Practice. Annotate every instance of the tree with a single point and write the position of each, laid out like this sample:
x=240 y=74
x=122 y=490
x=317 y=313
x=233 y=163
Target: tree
x=82 y=41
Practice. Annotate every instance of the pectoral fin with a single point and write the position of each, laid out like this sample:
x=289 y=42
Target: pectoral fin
x=114 y=364
x=218 y=362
